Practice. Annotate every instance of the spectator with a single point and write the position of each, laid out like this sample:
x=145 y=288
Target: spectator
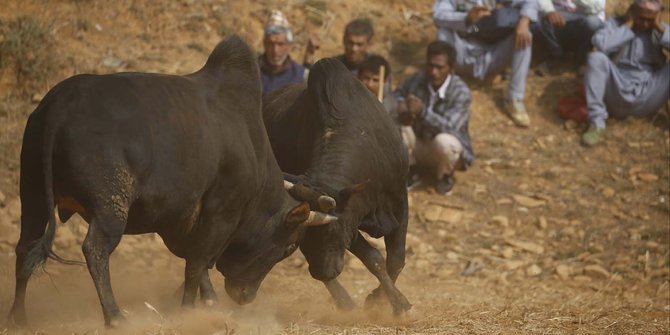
x=570 y=25
x=487 y=39
x=277 y=67
x=369 y=73
x=436 y=104
x=357 y=37
x=636 y=80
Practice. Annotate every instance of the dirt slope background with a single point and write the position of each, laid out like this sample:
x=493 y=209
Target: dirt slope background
x=539 y=236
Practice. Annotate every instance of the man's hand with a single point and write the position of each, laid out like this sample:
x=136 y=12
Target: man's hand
x=658 y=23
x=477 y=12
x=629 y=18
x=556 y=19
x=415 y=105
x=409 y=110
x=523 y=38
x=405 y=117
x=313 y=45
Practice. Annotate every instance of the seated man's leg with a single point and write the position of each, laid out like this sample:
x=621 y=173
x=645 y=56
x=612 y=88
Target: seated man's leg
x=583 y=31
x=550 y=34
x=465 y=63
x=602 y=82
x=575 y=36
x=441 y=155
x=502 y=54
x=657 y=95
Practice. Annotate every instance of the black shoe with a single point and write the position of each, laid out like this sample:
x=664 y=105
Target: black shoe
x=445 y=185
x=413 y=178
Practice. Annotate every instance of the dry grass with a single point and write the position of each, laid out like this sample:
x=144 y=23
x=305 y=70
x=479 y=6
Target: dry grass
x=26 y=49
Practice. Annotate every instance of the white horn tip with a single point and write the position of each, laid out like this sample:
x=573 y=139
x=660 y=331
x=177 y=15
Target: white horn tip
x=319 y=219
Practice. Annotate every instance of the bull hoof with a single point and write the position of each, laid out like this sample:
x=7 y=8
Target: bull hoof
x=400 y=305
x=345 y=305
x=116 y=322
x=17 y=319
x=374 y=299
x=401 y=308
x=208 y=298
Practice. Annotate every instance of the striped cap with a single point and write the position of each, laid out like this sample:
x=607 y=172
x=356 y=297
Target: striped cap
x=278 y=24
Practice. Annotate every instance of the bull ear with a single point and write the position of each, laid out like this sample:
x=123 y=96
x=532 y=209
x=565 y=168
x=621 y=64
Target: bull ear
x=346 y=194
x=298 y=214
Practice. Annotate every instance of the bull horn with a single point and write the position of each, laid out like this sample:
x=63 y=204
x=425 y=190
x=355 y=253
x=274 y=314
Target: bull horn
x=319 y=219
x=326 y=203
x=288 y=185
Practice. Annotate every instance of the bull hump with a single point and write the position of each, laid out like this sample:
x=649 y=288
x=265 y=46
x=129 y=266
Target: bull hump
x=232 y=51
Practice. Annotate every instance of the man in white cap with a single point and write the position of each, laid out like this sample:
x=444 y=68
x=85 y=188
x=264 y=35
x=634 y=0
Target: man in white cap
x=277 y=67
x=636 y=79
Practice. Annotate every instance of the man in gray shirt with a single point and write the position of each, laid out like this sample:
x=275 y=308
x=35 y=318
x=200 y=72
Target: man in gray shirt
x=629 y=74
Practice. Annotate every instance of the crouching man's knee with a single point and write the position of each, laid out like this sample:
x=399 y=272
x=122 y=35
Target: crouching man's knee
x=449 y=150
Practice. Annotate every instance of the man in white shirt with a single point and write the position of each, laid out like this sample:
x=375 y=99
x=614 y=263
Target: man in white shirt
x=570 y=25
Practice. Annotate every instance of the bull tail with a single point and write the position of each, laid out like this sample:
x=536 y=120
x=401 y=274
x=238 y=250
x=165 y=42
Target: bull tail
x=42 y=248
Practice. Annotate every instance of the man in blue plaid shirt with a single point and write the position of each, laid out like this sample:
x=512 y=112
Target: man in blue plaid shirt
x=435 y=104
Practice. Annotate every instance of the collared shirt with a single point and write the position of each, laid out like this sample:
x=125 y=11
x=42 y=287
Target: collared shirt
x=441 y=92
x=449 y=111
x=566 y=5
x=584 y=7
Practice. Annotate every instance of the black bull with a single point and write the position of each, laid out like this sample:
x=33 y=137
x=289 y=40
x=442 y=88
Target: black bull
x=333 y=136
x=184 y=156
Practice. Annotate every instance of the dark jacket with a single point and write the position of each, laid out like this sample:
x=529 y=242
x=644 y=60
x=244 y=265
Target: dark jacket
x=291 y=73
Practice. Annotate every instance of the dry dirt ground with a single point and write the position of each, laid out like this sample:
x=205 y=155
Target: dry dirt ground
x=540 y=236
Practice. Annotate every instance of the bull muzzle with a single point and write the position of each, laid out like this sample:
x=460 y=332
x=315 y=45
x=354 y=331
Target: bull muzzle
x=242 y=292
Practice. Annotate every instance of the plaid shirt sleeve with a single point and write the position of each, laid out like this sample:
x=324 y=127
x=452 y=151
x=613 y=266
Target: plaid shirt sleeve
x=451 y=114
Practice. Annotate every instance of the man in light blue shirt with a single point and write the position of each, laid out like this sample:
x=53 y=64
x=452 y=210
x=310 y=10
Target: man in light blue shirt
x=457 y=24
x=629 y=74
